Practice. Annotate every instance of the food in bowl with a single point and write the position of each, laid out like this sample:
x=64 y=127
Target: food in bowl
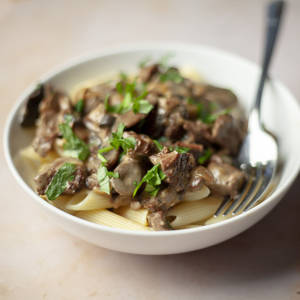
x=153 y=151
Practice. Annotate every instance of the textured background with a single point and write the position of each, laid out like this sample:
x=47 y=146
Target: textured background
x=40 y=261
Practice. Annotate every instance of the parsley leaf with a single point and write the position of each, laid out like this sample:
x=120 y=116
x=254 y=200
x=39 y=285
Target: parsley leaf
x=182 y=149
x=211 y=118
x=158 y=145
x=153 y=180
x=79 y=106
x=74 y=146
x=123 y=76
x=130 y=101
x=164 y=61
x=144 y=62
x=206 y=155
x=171 y=75
x=116 y=141
x=103 y=177
x=206 y=115
x=60 y=180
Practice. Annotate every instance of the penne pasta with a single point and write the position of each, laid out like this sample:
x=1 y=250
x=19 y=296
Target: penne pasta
x=111 y=219
x=139 y=215
x=196 y=195
x=89 y=200
x=192 y=212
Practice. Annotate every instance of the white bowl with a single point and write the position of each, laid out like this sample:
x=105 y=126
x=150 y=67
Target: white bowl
x=281 y=115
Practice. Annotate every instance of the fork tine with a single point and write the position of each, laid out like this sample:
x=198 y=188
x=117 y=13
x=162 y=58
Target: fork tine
x=248 y=196
x=266 y=180
x=228 y=199
x=222 y=206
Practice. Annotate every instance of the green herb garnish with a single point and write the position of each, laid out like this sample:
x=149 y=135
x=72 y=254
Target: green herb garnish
x=164 y=60
x=153 y=180
x=206 y=115
x=130 y=101
x=60 y=180
x=158 y=145
x=123 y=76
x=116 y=141
x=103 y=177
x=211 y=118
x=206 y=155
x=73 y=146
x=171 y=75
x=182 y=149
x=79 y=106
x=144 y=62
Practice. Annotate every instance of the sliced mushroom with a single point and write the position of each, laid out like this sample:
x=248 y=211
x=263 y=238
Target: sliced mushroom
x=130 y=172
x=30 y=111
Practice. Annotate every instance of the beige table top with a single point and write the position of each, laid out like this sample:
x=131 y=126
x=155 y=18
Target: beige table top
x=40 y=261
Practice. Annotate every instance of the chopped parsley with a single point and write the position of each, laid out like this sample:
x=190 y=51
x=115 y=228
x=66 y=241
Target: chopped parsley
x=138 y=104
x=171 y=148
x=103 y=177
x=171 y=74
x=60 y=180
x=73 y=146
x=123 y=76
x=118 y=141
x=206 y=155
x=144 y=62
x=182 y=149
x=206 y=115
x=211 y=118
x=79 y=106
x=158 y=145
x=153 y=180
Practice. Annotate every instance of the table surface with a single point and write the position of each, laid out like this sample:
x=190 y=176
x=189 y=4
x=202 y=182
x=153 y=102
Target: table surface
x=40 y=261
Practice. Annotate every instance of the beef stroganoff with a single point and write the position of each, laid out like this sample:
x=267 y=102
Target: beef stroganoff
x=151 y=152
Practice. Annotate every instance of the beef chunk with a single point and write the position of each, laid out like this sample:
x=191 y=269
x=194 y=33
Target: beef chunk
x=195 y=149
x=227 y=134
x=52 y=110
x=129 y=119
x=144 y=145
x=197 y=132
x=199 y=176
x=147 y=72
x=158 y=221
x=130 y=172
x=165 y=199
x=174 y=126
x=43 y=179
x=228 y=179
x=176 y=166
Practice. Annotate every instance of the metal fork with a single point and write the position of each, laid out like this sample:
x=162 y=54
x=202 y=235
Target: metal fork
x=259 y=152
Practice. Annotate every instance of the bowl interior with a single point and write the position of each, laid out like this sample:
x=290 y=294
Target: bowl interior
x=280 y=111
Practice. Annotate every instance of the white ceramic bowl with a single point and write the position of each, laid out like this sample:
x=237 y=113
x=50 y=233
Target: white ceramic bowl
x=281 y=115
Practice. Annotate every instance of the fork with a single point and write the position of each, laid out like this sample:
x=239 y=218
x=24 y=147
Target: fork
x=259 y=152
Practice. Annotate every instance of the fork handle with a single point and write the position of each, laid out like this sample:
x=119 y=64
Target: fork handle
x=274 y=13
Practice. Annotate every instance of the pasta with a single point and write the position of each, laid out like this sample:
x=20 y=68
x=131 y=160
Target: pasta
x=139 y=215
x=196 y=195
x=191 y=212
x=88 y=200
x=108 y=218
